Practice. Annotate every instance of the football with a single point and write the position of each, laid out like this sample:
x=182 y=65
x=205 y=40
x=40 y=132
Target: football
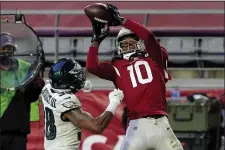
x=98 y=12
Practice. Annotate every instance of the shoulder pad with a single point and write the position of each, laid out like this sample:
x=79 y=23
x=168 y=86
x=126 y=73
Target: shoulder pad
x=116 y=58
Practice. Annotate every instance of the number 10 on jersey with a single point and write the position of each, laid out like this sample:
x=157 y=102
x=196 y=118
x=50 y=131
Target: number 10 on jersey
x=134 y=69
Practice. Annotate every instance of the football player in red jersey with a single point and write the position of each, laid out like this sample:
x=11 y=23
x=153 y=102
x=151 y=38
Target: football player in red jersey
x=140 y=72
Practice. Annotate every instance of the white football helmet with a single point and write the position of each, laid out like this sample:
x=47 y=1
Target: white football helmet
x=139 y=45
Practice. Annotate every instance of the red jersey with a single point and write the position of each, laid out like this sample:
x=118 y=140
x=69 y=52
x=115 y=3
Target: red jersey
x=165 y=61
x=142 y=80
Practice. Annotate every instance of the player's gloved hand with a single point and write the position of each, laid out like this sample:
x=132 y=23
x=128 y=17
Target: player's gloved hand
x=100 y=31
x=115 y=98
x=117 y=19
x=87 y=86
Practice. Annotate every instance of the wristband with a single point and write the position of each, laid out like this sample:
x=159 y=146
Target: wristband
x=111 y=107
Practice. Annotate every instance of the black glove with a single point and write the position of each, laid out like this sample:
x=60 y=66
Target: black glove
x=117 y=19
x=100 y=31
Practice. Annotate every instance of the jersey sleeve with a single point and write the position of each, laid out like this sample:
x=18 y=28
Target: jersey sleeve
x=103 y=70
x=151 y=44
x=33 y=89
x=165 y=61
x=67 y=103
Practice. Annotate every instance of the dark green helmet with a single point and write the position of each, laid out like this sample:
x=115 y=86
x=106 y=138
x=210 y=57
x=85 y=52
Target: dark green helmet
x=67 y=74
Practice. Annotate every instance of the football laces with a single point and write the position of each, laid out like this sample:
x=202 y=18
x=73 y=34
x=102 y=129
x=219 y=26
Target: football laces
x=100 y=20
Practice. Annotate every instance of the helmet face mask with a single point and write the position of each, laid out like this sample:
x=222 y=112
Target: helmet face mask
x=128 y=43
x=78 y=78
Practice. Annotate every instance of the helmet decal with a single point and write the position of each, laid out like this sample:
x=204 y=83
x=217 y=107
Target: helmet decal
x=67 y=74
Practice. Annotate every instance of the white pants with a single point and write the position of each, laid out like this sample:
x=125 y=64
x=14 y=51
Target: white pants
x=61 y=148
x=150 y=134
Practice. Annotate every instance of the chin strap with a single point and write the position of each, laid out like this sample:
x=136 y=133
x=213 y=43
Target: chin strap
x=128 y=55
x=138 y=54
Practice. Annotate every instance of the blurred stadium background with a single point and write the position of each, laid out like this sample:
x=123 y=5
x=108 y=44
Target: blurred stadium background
x=192 y=32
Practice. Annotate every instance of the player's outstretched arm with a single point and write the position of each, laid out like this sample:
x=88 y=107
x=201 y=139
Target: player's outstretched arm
x=96 y=125
x=151 y=43
x=86 y=121
x=103 y=70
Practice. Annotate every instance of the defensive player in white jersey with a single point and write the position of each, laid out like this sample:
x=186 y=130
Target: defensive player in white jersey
x=64 y=116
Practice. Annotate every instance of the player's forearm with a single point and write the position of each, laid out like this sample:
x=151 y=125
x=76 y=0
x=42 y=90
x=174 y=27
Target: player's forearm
x=103 y=121
x=96 y=125
x=103 y=70
x=95 y=44
x=92 y=60
x=85 y=120
x=138 y=29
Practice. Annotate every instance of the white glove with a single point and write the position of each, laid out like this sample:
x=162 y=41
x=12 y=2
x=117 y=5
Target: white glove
x=115 y=98
x=87 y=86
